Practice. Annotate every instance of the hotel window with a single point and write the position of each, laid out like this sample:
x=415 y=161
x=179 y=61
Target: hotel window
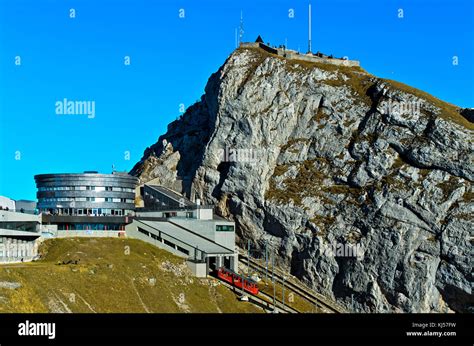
x=108 y=188
x=90 y=187
x=90 y=199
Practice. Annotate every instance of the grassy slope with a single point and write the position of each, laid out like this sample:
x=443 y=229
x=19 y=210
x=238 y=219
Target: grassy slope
x=107 y=279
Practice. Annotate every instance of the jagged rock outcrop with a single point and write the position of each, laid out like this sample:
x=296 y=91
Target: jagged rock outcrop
x=307 y=157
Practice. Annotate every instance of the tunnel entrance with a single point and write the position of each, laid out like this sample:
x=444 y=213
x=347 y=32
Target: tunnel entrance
x=212 y=264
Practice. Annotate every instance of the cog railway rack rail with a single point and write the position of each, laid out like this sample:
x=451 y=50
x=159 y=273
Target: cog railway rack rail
x=305 y=292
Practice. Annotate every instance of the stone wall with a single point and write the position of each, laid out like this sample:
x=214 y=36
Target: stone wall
x=289 y=54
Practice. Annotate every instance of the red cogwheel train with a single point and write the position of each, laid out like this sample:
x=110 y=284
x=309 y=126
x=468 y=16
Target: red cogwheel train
x=236 y=280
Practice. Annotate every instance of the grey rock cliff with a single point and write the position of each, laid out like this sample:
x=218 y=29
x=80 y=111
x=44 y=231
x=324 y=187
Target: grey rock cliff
x=310 y=157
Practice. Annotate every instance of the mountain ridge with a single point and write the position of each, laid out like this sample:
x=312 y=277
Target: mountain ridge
x=336 y=164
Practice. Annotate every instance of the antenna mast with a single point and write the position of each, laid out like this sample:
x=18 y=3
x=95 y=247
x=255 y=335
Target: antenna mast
x=309 y=28
x=241 y=29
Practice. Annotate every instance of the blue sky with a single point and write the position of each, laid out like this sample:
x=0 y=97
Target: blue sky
x=82 y=58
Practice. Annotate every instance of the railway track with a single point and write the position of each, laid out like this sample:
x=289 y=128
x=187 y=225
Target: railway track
x=313 y=297
x=279 y=303
x=263 y=300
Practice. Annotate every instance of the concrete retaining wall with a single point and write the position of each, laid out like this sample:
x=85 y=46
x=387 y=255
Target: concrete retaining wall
x=199 y=269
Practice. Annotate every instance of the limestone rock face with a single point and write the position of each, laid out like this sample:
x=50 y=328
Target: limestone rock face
x=312 y=159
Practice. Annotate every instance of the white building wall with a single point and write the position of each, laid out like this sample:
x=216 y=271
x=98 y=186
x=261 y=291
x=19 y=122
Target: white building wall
x=6 y=202
x=203 y=214
x=12 y=216
x=207 y=228
x=203 y=228
x=226 y=239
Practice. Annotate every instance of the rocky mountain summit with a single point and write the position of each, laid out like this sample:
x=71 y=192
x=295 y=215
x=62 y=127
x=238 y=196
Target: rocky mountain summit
x=308 y=157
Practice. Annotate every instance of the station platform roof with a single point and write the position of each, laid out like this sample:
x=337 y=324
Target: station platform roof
x=173 y=195
x=187 y=236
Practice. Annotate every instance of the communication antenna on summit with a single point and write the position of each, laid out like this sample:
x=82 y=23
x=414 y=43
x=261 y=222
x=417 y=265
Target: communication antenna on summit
x=241 y=27
x=309 y=28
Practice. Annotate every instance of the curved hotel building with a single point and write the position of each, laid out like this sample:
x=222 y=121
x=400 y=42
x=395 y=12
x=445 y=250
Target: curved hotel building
x=86 y=200
x=102 y=205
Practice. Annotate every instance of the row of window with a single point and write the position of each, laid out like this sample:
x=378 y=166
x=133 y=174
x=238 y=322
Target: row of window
x=90 y=227
x=87 y=199
x=87 y=211
x=85 y=188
